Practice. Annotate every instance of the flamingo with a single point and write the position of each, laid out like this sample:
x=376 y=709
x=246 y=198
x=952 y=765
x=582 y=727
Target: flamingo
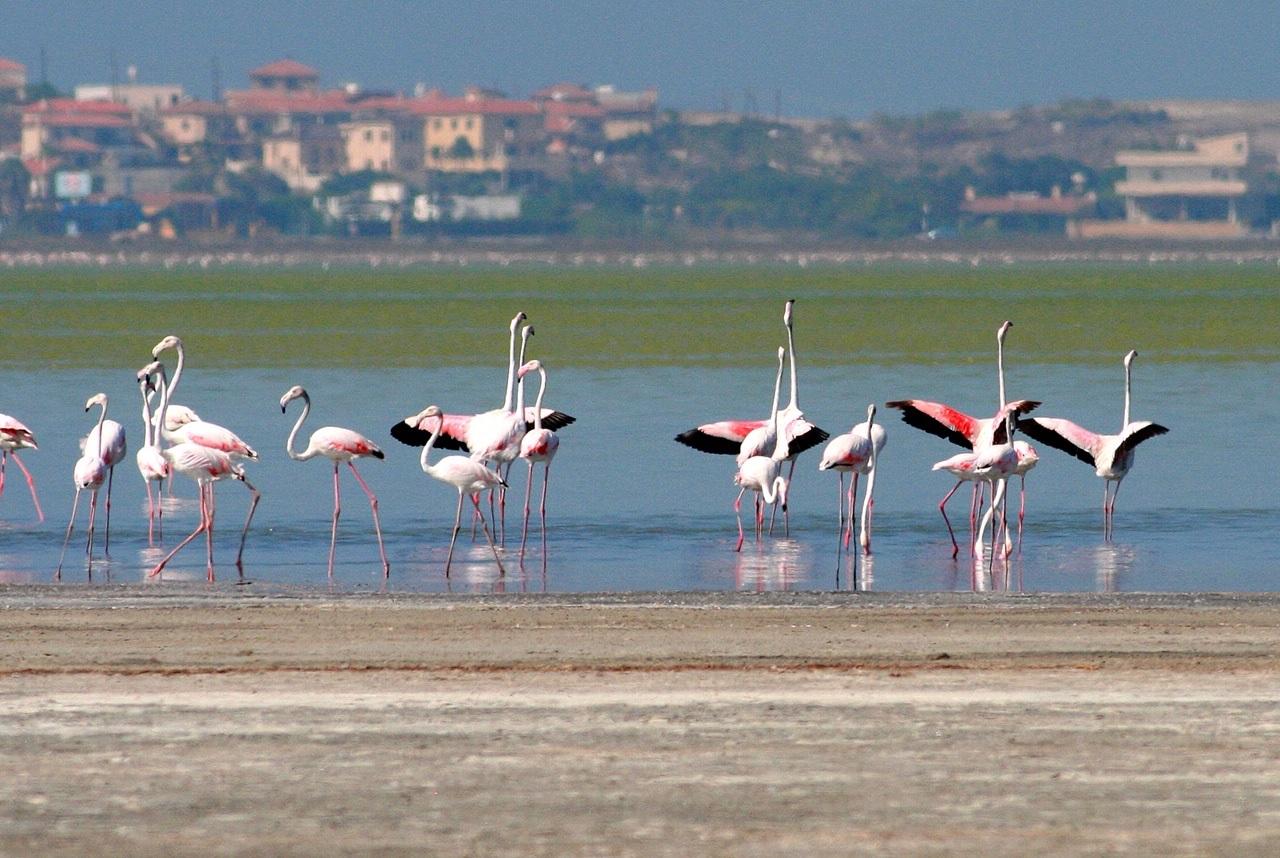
x=456 y=430
x=856 y=451
x=90 y=472
x=190 y=427
x=15 y=436
x=763 y=474
x=108 y=439
x=205 y=466
x=465 y=474
x=178 y=415
x=337 y=445
x=995 y=463
x=729 y=437
x=963 y=430
x=151 y=461
x=538 y=445
x=1110 y=455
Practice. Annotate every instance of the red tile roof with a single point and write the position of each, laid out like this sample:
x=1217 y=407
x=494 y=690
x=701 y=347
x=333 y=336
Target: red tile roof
x=11 y=65
x=79 y=120
x=284 y=68
x=574 y=109
x=274 y=101
x=196 y=108
x=75 y=145
x=71 y=105
x=1029 y=204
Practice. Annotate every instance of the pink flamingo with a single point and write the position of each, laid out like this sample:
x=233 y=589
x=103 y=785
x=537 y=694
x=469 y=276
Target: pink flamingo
x=198 y=431
x=15 y=436
x=91 y=470
x=763 y=474
x=337 y=445
x=108 y=438
x=963 y=430
x=467 y=431
x=856 y=452
x=467 y=475
x=1110 y=455
x=730 y=437
x=538 y=445
x=205 y=466
x=152 y=464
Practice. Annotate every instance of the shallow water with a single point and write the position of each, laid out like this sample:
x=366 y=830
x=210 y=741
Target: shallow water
x=632 y=510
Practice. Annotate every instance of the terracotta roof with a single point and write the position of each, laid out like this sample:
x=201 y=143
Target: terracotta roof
x=79 y=120
x=429 y=106
x=1030 y=204
x=40 y=166
x=71 y=105
x=284 y=68
x=76 y=145
x=11 y=65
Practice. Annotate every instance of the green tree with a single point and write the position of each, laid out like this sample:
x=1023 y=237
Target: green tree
x=15 y=181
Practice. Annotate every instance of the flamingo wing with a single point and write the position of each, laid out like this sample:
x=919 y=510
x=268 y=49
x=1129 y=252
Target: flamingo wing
x=1135 y=433
x=1065 y=436
x=802 y=435
x=723 y=438
x=453 y=433
x=13 y=432
x=939 y=419
x=551 y=419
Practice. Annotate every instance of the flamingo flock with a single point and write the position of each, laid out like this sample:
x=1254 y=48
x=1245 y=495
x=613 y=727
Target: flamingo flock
x=481 y=447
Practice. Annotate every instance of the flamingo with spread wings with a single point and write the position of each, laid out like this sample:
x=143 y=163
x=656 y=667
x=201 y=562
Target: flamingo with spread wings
x=1111 y=456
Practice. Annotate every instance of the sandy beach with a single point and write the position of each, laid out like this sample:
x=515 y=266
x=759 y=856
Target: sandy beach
x=153 y=721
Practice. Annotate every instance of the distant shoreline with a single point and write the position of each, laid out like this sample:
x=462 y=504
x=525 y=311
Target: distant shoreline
x=779 y=252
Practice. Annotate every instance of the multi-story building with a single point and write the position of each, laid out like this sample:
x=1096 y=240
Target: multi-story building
x=13 y=80
x=1184 y=193
x=285 y=76
x=143 y=98
x=305 y=156
x=479 y=133
x=387 y=144
x=190 y=125
x=56 y=123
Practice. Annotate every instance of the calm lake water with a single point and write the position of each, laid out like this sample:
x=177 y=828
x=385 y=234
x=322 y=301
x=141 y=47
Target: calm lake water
x=632 y=510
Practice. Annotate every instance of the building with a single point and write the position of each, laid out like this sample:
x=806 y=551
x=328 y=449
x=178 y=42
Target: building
x=142 y=98
x=58 y=123
x=479 y=133
x=191 y=125
x=1031 y=210
x=387 y=144
x=305 y=156
x=1190 y=192
x=13 y=80
x=285 y=76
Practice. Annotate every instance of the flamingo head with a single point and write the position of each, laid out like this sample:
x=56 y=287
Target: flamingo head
x=147 y=373
x=169 y=342
x=1004 y=329
x=96 y=399
x=1128 y=359
x=526 y=332
x=786 y=312
x=517 y=319
x=295 y=392
x=871 y=413
x=532 y=366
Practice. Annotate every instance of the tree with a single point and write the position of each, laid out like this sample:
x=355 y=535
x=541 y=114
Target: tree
x=14 y=184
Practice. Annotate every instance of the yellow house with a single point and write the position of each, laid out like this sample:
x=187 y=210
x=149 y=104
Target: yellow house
x=384 y=144
x=479 y=133
x=304 y=157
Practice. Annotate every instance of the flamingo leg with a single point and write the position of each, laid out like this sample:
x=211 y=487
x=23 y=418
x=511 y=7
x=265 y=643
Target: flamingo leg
x=93 y=509
x=253 y=505
x=4 y=458
x=337 y=511
x=457 y=526
x=106 y=542
x=159 y=567
x=839 y=515
x=869 y=505
x=942 y=508
x=484 y=525
x=57 y=575
x=31 y=484
x=208 y=533
x=737 y=508
x=377 y=525
x=546 y=477
x=760 y=505
x=1022 y=508
x=151 y=514
x=528 y=495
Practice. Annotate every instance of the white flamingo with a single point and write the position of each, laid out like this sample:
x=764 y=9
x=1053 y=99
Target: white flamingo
x=152 y=464
x=538 y=445
x=856 y=452
x=91 y=470
x=15 y=436
x=763 y=474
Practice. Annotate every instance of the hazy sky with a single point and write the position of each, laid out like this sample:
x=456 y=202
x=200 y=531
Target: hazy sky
x=824 y=58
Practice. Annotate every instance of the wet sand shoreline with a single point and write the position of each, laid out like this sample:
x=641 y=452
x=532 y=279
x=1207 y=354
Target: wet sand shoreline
x=150 y=720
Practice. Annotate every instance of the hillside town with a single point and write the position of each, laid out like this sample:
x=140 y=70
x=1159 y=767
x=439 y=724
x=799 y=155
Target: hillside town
x=290 y=156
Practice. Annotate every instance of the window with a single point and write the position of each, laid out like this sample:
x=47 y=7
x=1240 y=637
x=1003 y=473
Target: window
x=469 y=123
x=385 y=136
x=1156 y=174
x=453 y=124
x=368 y=135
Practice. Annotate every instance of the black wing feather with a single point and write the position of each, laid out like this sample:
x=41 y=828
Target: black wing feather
x=1138 y=437
x=705 y=443
x=414 y=437
x=917 y=419
x=1033 y=430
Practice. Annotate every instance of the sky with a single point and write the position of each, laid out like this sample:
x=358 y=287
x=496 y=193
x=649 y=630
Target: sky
x=812 y=57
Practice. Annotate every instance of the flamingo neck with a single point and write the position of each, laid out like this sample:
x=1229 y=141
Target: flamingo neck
x=779 y=449
x=1128 y=373
x=154 y=439
x=102 y=417
x=512 y=366
x=427 y=467
x=297 y=427
x=146 y=414
x=774 y=489
x=537 y=405
x=1000 y=367
x=791 y=351
x=177 y=372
